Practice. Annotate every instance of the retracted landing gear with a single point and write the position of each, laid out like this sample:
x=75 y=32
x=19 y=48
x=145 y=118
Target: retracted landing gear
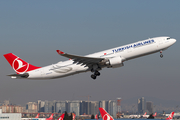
x=161 y=55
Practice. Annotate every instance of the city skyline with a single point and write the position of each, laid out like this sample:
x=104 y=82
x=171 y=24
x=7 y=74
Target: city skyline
x=34 y=31
x=88 y=107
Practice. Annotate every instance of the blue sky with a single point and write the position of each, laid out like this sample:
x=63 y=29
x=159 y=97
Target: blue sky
x=34 y=30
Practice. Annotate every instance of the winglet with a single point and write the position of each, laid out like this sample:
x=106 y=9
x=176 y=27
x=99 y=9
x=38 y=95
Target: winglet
x=60 y=52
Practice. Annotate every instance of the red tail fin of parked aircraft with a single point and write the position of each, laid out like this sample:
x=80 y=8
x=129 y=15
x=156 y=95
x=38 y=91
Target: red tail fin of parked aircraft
x=170 y=117
x=155 y=114
x=20 y=66
x=105 y=115
x=96 y=117
x=61 y=117
x=37 y=116
x=50 y=118
x=145 y=113
x=74 y=116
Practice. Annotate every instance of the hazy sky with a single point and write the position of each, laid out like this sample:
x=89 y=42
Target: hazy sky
x=34 y=30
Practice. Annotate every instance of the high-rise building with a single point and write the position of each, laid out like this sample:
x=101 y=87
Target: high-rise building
x=75 y=107
x=149 y=107
x=60 y=106
x=94 y=107
x=41 y=105
x=103 y=104
x=141 y=105
x=118 y=105
x=112 y=108
x=31 y=107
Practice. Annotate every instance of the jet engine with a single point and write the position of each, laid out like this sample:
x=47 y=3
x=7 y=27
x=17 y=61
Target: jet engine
x=114 y=62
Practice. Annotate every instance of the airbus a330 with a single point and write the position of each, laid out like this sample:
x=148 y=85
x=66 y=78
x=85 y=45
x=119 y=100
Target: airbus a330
x=111 y=58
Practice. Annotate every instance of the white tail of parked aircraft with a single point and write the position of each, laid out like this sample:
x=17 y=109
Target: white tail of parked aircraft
x=105 y=115
x=111 y=58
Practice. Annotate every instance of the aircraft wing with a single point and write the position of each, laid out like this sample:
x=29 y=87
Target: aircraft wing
x=81 y=59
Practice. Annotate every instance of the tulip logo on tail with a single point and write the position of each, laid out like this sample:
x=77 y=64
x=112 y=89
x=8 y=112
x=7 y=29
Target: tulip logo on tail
x=106 y=117
x=61 y=117
x=170 y=116
x=20 y=66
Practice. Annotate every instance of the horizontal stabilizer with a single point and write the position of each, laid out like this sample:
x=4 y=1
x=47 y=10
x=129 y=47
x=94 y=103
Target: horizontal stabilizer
x=25 y=75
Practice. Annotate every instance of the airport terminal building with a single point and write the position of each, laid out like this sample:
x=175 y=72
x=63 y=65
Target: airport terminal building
x=10 y=116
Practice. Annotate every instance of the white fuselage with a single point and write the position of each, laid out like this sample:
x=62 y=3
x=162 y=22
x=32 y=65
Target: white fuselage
x=126 y=52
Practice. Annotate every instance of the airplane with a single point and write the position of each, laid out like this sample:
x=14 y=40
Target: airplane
x=145 y=115
x=37 y=116
x=61 y=117
x=134 y=116
x=105 y=115
x=170 y=117
x=111 y=58
x=139 y=116
x=50 y=118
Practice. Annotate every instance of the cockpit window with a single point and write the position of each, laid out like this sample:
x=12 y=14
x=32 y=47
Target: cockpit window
x=168 y=38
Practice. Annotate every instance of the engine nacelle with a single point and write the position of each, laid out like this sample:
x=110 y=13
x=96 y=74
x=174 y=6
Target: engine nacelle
x=115 y=62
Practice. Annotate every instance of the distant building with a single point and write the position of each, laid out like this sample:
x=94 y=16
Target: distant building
x=49 y=106
x=10 y=116
x=103 y=104
x=60 y=106
x=149 y=107
x=141 y=105
x=94 y=107
x=31 y=107
x=83 y=107
x=41 y=105
x=6 y=102
x=75 y=107
x=11 y=109
x=112 y=108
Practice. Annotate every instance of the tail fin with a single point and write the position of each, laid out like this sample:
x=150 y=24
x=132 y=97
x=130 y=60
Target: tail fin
x=145 y=113
x=37 y=116
x=74 y=116
x=105 y=115
x=20 y=66
x=61 y=117
x=155 y=114
x=170 y=117
x=51 y=116
x=96 y=117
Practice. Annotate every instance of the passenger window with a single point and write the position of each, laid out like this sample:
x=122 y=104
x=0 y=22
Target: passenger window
x=168 y=38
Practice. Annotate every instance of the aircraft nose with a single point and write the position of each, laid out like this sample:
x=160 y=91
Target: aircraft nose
x=173 y=40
